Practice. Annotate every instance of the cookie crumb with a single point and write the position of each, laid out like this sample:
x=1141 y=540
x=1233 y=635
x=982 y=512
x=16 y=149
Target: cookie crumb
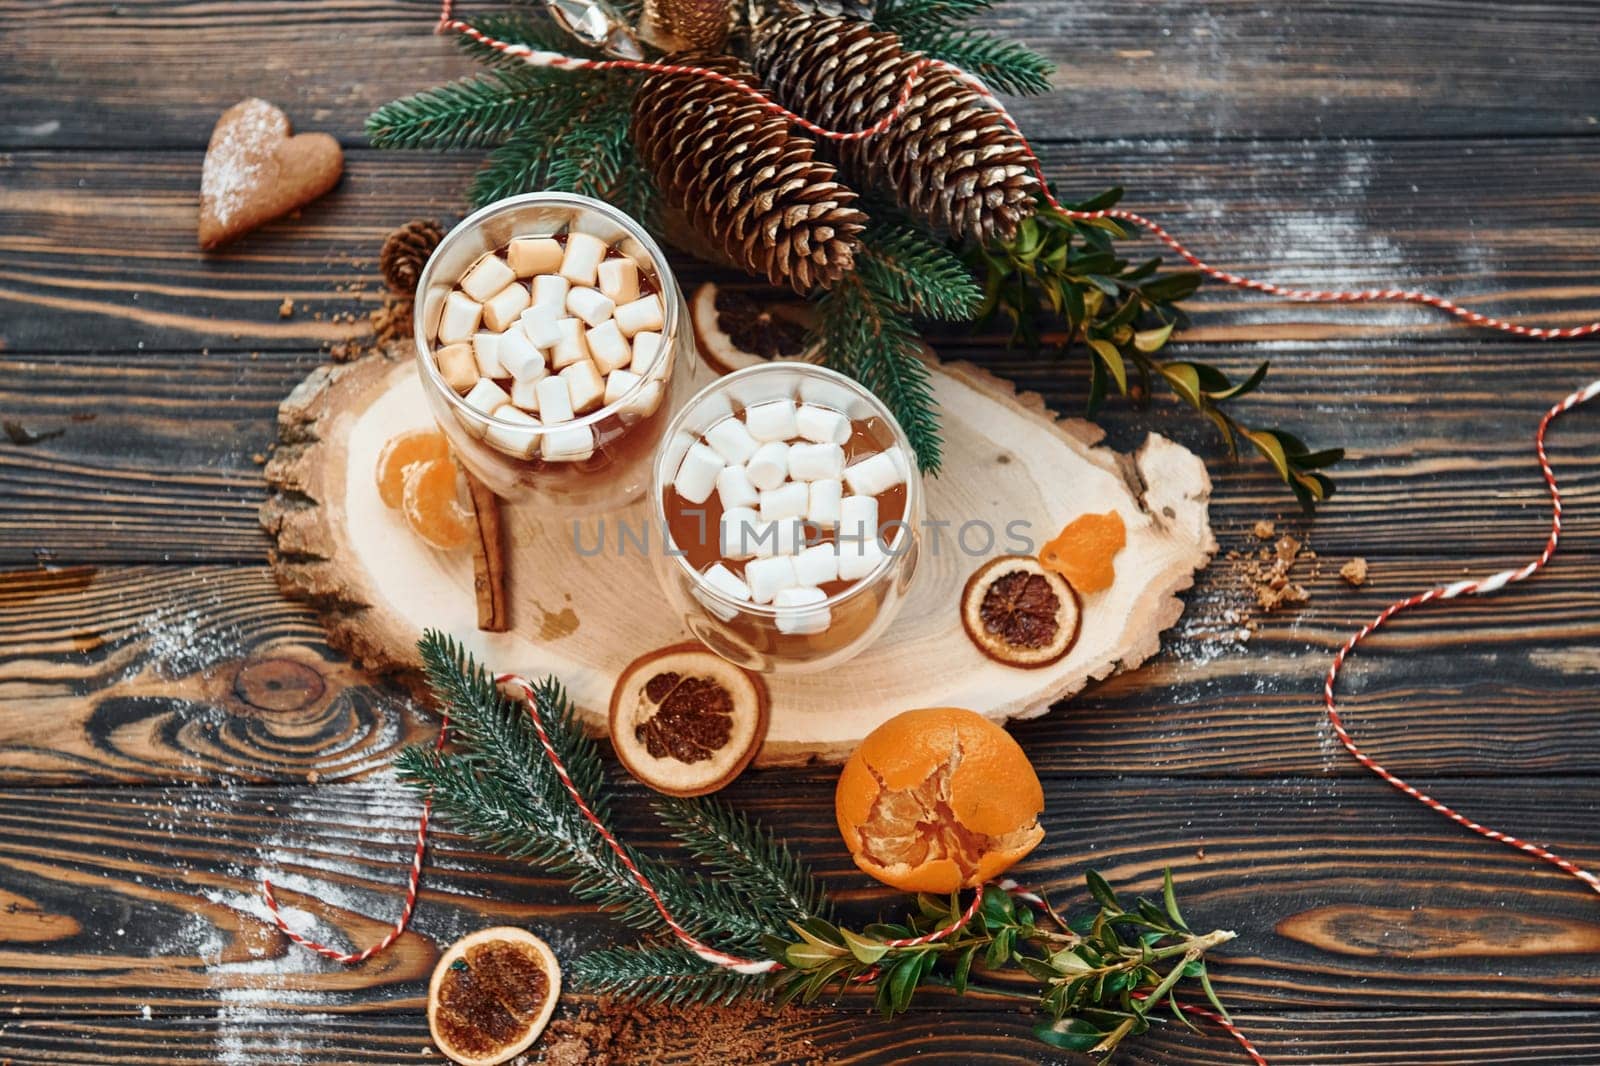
x=286 y=309
x=1266 y=529
x=1354 y=573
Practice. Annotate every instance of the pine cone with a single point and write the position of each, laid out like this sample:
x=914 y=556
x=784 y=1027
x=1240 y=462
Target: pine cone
x=948 y=158
x=744 y=178
x=699 y=24
x=406 y=251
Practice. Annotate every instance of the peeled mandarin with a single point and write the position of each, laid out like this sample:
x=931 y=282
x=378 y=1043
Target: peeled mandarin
x=403 y=450
x=1084 y=551
x=938 y=799
x=432 y=506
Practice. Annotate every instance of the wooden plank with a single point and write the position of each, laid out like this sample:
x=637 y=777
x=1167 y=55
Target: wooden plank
x=151 y=74
x=100 y=253
x=157 y=675
x=138 y=897
x=1440 y=439
x=845 y=1035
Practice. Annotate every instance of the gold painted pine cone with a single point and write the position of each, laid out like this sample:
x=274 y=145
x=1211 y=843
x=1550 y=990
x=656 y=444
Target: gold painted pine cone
x=948 y=158
x=744 y=177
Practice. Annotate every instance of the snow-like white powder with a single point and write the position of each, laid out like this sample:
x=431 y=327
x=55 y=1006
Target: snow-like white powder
x=241 y=150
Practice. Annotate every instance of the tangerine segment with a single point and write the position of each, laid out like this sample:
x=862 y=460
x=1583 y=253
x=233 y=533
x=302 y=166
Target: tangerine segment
x=432 y=507
x=1084 y=550
x=938 y=799
x=400 y=453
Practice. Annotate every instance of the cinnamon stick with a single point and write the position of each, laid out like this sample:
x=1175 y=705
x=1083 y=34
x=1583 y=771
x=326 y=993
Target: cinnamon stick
x=488 y=559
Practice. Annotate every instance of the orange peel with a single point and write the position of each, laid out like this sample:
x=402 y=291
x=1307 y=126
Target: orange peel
x=938 y=799
x=1085 y=550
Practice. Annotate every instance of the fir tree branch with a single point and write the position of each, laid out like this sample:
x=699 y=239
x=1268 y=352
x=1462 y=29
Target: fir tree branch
x=925 y=16
x=901 y=260
x=519 y=27
x=661 y=973
x=1003 y=65
x=753 y=861
x=473 y=112
x=863 y=334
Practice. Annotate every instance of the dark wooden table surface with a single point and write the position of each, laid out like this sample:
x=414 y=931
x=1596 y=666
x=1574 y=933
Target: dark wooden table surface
x=171 y=727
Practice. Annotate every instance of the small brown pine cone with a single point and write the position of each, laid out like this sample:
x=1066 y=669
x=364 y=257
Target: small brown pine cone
x=948 y=158
x=744 y=178
x=699 y=24
x=406 y=251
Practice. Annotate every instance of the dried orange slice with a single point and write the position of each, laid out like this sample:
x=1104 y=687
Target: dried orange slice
x=491 y=995
x=735 y=330
x=1019 y=613
x=939 y=799
x=1084 y=550
x=687 y=722
x=432 y=504
x=403 y=450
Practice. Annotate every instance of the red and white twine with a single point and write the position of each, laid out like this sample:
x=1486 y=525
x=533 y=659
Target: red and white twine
x=1483 y=587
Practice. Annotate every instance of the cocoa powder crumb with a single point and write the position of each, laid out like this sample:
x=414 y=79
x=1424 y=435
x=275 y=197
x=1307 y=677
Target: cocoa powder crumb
x=1354 y=573
x=610 y=1032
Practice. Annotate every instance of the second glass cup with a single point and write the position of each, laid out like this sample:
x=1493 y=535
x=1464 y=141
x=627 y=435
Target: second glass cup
x=624 y=378
x=854 y=541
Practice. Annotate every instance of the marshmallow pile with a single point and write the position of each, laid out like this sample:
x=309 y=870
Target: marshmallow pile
x=776 y=470
x=547 y=332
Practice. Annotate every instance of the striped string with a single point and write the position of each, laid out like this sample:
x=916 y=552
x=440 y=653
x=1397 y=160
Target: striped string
x=1483 y=587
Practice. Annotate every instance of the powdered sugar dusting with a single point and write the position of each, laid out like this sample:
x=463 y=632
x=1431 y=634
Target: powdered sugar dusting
x=241 y=149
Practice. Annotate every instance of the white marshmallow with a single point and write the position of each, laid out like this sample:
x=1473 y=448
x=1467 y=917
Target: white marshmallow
x=570 y=346
x=584 y=252
x=731 y=440
x=502 y=309
x=591 y=305
x=646 y=346
x=540 y=317
x=524 y=442
x=534 y=255
x=519 y=356
x=525 y=394
x=460 y=318
x=550 y=289
x=786 y=501
x=543 y=332
x=733 y=484
x=773 y=420
x=648 y=399
x=607 y=347
x=585 y=386
x=555 y=403
x=697 y=475
x=876 y=473
x=618 y=384
x=569 y=444
x=639 y=315
x=858 y=558
x=796 y=615
x=822 y=509
x=738 y=532
x=815 y=462
x=780 y=537
x=858 y=519
x=729 y=584
x=823 y=425
x=486 y=397
x=817 y=565
x=487 y=277
x=768 y=577
x=485 y=349
x=458 y=366
x=619 y=279
x=769 y=466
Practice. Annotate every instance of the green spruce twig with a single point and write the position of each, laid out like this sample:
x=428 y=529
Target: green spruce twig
x=662 y=973
x=1124 y=314
x=935 y=28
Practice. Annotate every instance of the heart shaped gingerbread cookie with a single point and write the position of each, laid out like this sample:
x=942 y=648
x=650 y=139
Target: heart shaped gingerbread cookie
x=255 y=172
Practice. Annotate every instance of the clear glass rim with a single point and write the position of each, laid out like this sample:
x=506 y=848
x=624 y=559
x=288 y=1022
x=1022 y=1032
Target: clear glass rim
x=667 y=284
x=659 y=481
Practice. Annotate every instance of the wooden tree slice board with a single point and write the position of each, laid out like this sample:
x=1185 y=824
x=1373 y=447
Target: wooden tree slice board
x=378 y=586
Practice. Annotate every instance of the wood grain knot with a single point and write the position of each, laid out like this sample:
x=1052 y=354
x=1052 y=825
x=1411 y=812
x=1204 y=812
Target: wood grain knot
x=278 y=685
x=1438 y=933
